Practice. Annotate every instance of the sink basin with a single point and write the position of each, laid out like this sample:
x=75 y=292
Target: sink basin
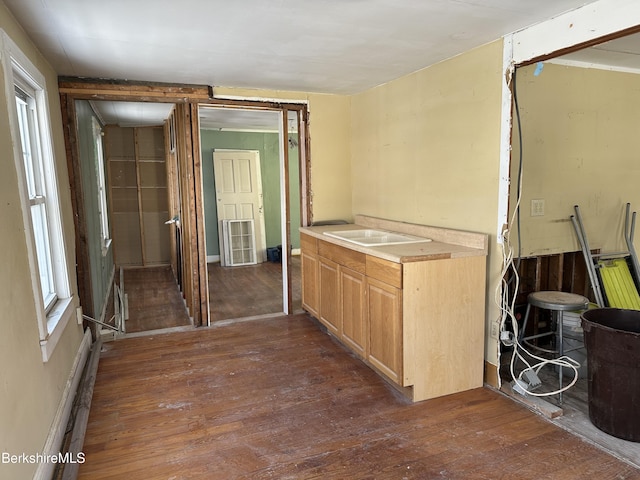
x=372 y=238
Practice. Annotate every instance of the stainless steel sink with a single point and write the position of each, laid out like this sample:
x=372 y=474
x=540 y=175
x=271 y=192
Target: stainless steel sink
x=370 y=237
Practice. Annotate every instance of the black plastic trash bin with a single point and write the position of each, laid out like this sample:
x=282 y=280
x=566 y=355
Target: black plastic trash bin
x=612 y=338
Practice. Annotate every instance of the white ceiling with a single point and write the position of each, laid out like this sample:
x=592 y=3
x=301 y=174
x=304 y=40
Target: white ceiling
x=132 y=114
x=326 y=46
x=330 y=46
x=137 y=114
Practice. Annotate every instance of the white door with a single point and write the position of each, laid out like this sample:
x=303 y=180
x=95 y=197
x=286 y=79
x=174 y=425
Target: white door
x=239 y=191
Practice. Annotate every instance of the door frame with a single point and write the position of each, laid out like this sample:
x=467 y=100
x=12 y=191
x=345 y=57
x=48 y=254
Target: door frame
x=187 y=99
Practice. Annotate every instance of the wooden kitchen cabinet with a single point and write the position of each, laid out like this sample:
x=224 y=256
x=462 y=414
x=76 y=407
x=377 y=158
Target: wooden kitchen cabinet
x=414 y=313
x=329 y=282
x=385 y=328
x=355 y=327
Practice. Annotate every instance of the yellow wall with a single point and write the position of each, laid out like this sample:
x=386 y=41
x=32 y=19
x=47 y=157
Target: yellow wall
x=426 y=149
x=30 y=390
x=423 y=149
x=580 y=146
x=330 y=163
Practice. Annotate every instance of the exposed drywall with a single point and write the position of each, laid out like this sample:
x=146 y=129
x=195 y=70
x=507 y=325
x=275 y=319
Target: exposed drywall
x=330 y=145
x=425 y=149
x=30 y=390
x=268 y=146
x=580 y=146
x=137 y=187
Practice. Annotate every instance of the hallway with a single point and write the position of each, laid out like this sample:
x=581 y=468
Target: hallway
x=154 y=300
x=278 y=398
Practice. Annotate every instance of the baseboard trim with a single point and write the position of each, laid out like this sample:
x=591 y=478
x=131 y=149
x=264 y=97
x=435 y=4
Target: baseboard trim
x=53 y=444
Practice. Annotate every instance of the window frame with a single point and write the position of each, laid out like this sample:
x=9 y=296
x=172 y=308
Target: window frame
x=52 y=317
x=103 y=212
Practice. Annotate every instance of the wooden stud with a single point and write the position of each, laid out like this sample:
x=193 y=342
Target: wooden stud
x=74 y=167
x=200 y=234
x=139 y=192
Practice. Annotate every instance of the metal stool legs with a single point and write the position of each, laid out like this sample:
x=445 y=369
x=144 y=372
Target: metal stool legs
x=557 y=303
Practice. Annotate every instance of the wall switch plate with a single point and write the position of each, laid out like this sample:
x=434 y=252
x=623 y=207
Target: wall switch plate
x=537 y=208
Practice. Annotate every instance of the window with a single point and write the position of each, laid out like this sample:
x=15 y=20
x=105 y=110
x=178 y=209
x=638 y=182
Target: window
x=36 y=190
x=35 y=164
x=102 y=189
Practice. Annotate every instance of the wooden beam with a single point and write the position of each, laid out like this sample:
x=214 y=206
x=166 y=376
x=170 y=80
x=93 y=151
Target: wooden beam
x=187 y=222
x=99 y=89
x=172 y=186
x=305 y=167
x=74 y=167
x=200 y=232
x=136 y=149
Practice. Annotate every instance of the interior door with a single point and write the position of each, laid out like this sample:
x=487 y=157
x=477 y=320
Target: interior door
x=239 y=191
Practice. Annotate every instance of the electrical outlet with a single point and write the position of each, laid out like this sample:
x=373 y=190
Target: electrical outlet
x=494 y=330
x=537 y=208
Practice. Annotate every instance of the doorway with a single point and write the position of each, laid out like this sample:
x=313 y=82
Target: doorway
x=182 y=131
x=136 y=167
x=232 y=140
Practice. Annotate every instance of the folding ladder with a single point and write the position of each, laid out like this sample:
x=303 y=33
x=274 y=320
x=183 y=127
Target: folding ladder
x=614 y=284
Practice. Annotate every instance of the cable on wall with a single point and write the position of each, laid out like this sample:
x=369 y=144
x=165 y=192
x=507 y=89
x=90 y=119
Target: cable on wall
x=527 y=379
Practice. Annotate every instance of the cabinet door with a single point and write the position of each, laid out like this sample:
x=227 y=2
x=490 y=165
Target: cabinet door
x=385 y=328
x=330 y=312
x=310 y=291
x=354 y=311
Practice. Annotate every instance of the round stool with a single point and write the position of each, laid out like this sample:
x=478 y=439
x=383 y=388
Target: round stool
x=557 y=303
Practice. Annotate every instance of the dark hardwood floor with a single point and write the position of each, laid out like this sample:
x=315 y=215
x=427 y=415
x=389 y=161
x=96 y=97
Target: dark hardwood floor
x=280 y=399
x=251 y=290
x=154 y=299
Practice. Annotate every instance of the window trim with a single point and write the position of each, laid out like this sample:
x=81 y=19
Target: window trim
x=19 y=70
x=103 y=209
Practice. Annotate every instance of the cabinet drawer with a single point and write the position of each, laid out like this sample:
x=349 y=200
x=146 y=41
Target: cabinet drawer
x=343 y=256
x=308 y=243
x=384 y=270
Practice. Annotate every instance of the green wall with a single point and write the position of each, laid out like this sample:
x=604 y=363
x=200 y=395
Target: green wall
x=101 y=265
x=268 y=146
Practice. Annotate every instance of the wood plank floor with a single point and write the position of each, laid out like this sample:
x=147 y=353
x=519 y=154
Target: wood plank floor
x=250 y=290
x=280 y=399
x=154 y=299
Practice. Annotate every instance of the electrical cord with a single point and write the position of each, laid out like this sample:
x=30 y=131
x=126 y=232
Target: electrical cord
x=506 y=306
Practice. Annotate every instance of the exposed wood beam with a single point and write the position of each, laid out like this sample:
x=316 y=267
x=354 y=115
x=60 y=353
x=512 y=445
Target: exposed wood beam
x=83 y=269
